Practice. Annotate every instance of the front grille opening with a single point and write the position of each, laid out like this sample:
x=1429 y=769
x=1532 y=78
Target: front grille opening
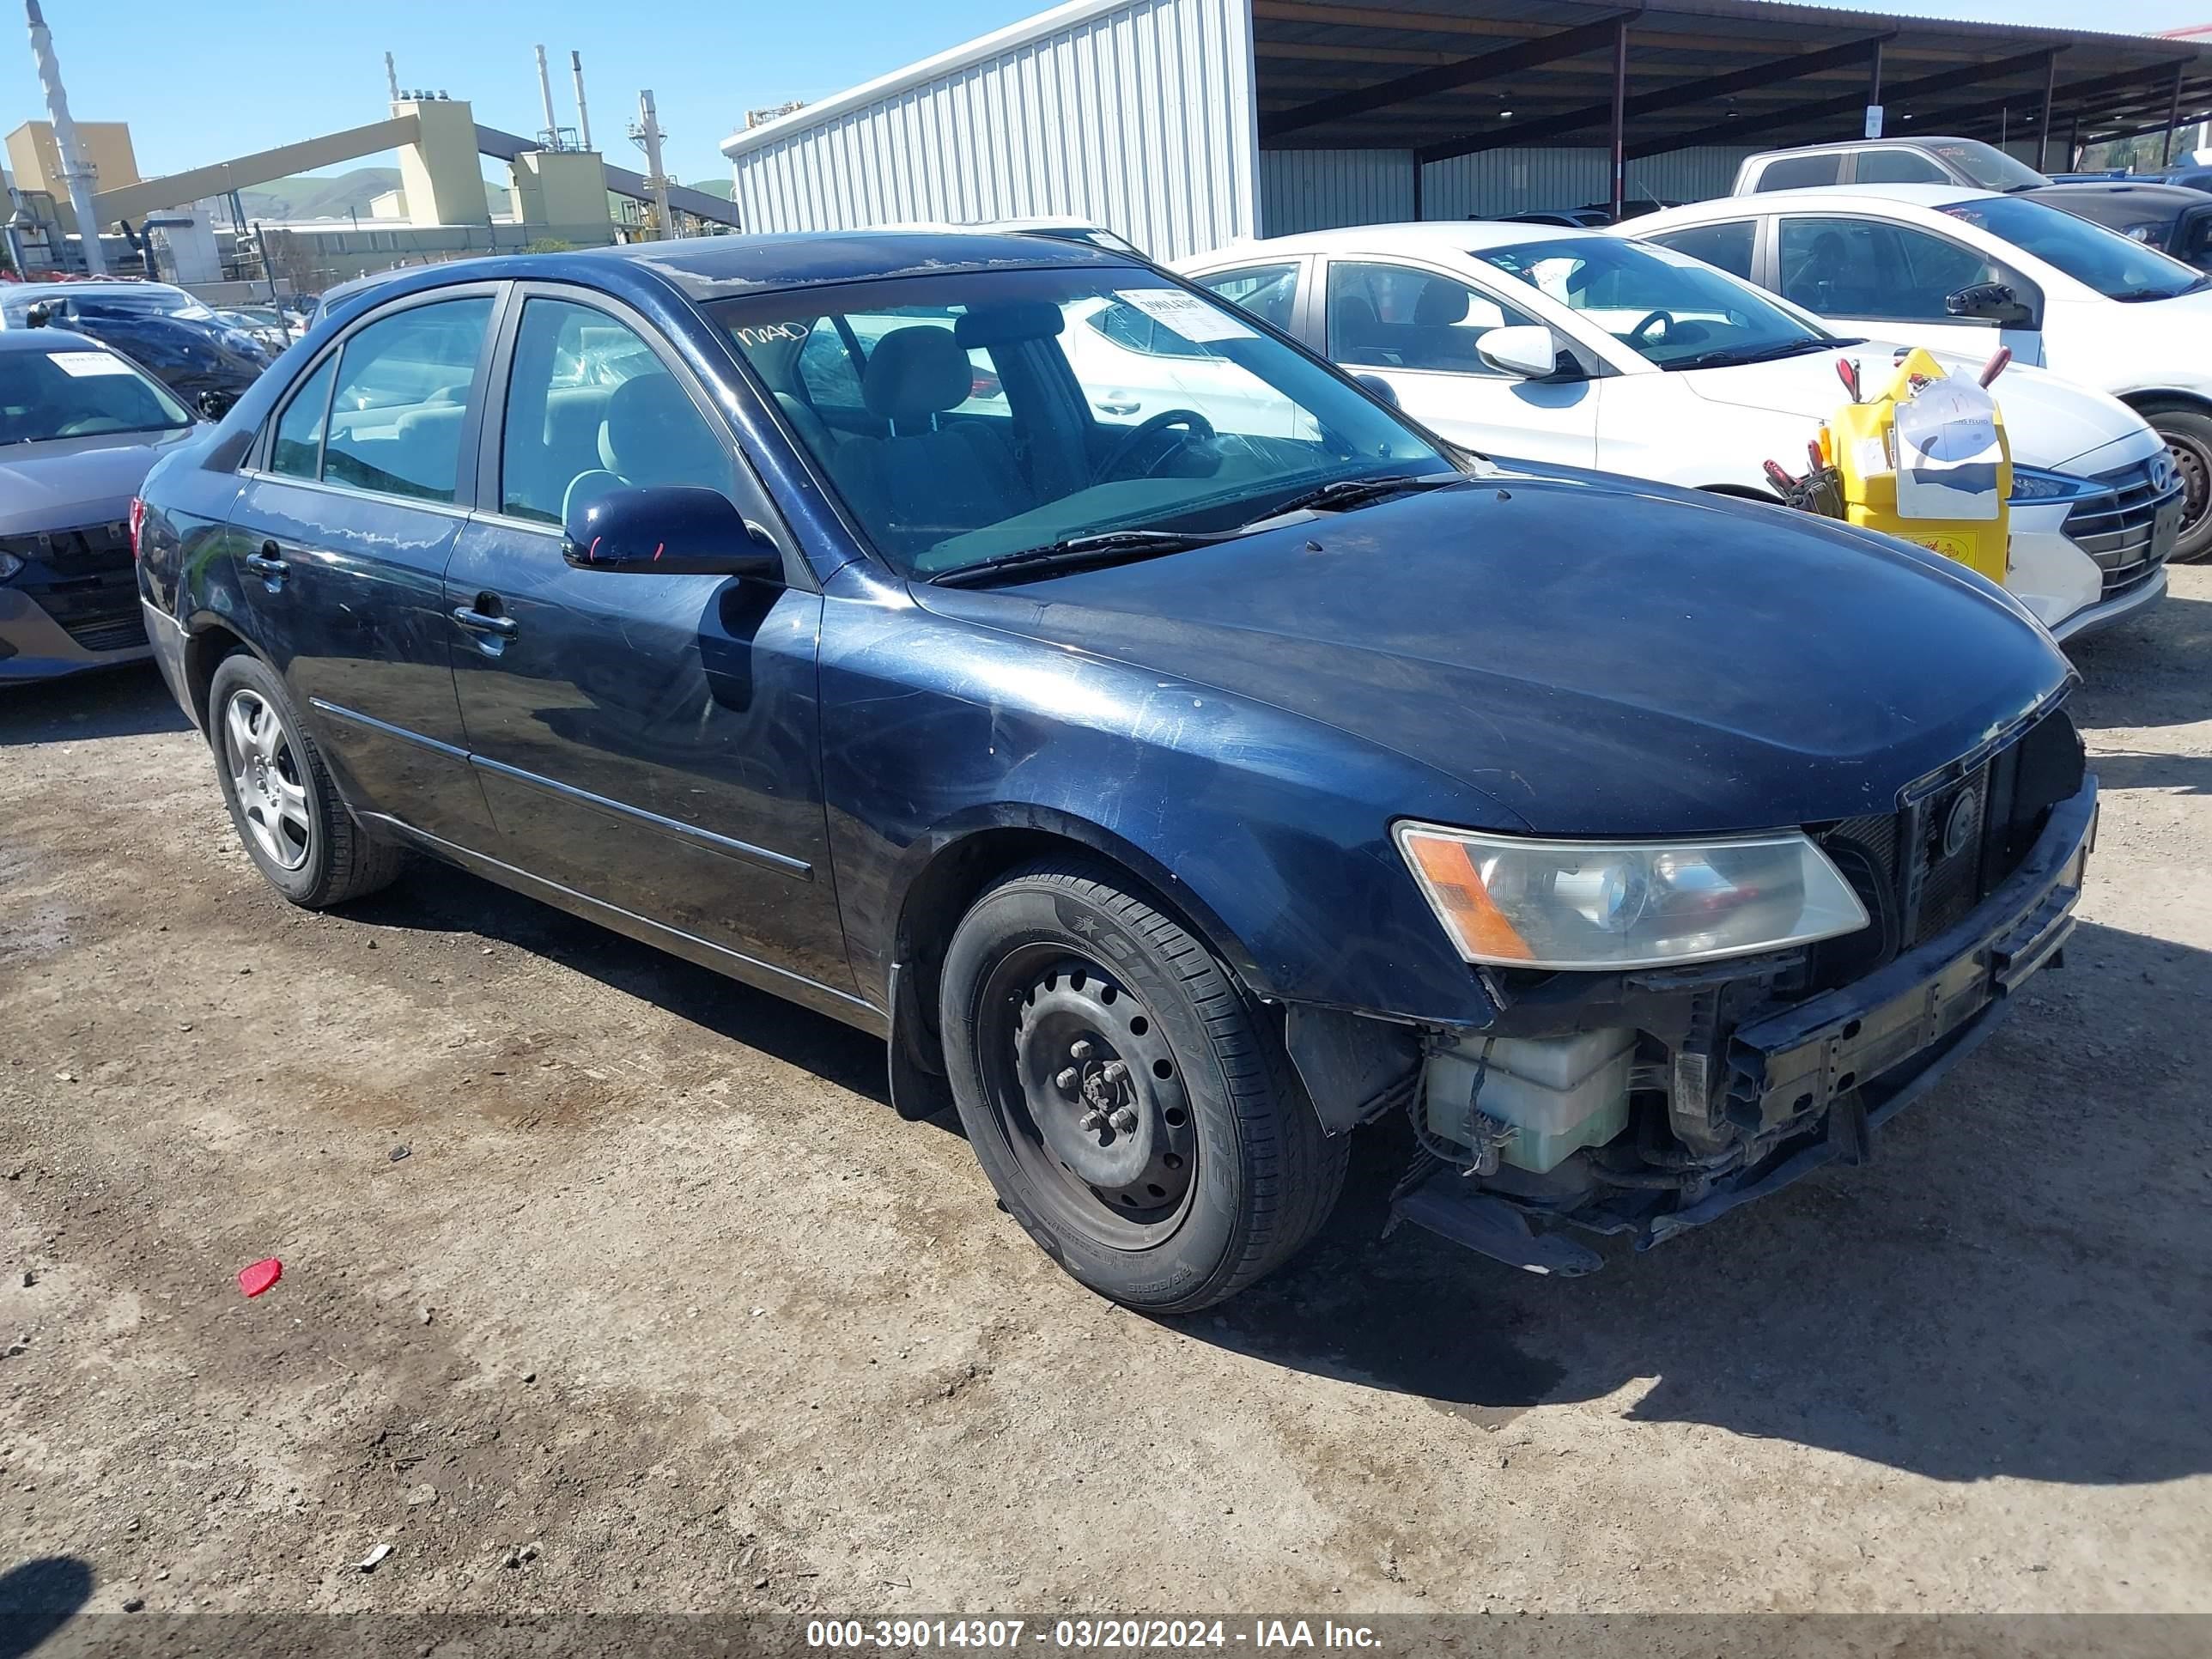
x=2117 y=530
x=1921 y=870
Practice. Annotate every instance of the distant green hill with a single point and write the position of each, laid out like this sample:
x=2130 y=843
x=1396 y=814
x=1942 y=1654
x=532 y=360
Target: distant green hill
x=721 y=187
x=338 y=196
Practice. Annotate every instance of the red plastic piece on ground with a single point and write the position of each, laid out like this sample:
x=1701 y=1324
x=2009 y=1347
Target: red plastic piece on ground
x=260 y=1276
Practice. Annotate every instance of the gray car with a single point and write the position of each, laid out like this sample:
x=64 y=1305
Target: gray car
x=80 y=425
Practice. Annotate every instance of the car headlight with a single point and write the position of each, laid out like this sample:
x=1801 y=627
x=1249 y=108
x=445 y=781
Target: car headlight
x=1518 y=902
x=10 y=564
x=2142 y=233
x=2031 y=484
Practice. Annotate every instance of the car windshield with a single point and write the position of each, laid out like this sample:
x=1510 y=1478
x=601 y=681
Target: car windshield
x=968 y=418
x=77 y=392
x=1986 y=165
x=2116 y=266
x=1676 y=312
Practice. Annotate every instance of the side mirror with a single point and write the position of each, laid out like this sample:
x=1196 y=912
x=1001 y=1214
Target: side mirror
x=1525 y=351
x=39 y=315
x=213 y=403
x=1995 y=302
x=1381 y=387
x=669 y=530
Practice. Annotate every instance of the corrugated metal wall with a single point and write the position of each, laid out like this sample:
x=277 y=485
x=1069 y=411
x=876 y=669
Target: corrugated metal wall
x=1305 y=190
x=1500 y=182
x=1136 y=116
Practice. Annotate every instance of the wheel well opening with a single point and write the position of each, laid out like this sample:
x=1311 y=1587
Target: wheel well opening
x=939 y=896
x=204 y=653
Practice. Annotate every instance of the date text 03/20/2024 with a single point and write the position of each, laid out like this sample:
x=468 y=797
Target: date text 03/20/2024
x=1085 y=1633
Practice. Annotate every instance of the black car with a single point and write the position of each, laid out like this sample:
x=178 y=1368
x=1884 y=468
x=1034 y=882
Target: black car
x=181 y=342
x=1172 y=794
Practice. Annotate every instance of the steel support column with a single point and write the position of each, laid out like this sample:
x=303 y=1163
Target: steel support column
x=1620 y=114
x=2172 y=121
x=1873 y=82
x=2043 y=132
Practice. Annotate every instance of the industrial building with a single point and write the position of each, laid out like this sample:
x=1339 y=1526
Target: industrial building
x=1185 y=123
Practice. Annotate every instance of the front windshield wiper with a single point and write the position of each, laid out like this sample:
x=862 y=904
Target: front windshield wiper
x=1733 y=357
x=1341 y=494
x=2128 y=295
x=1073 y=552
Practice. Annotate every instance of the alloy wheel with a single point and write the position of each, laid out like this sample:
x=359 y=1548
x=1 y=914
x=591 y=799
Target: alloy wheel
x=265 y=780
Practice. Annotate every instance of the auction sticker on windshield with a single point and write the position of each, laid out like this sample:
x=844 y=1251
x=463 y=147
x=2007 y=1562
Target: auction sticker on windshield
x=1186 y=314
x=84 y=364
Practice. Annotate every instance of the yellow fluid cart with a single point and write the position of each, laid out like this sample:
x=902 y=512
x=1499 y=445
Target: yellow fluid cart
x=1949 y=493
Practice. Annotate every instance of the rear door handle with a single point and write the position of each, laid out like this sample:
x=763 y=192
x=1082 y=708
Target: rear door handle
x=1111 y=404
x=267 y=563
x=483 y=622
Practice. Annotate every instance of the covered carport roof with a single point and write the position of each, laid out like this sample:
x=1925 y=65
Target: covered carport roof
x=1450 y=77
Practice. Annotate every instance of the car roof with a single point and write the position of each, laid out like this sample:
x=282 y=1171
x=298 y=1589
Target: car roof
x=47 y=339
x=1429 y=236
x=1907 y=141
x=710 y=268
x=1929 y=197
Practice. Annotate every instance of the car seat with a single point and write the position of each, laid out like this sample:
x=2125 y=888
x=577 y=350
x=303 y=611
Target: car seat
x=926 y=479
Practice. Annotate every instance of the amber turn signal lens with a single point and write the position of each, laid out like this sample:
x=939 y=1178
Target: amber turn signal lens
x=1456 y=886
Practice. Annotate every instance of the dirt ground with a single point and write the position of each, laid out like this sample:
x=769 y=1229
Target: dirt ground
x=662 y=1308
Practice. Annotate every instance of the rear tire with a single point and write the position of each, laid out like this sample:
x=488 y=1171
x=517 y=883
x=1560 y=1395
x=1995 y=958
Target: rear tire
x=1133 y=1113
x=2188 y=435
x=282 y=801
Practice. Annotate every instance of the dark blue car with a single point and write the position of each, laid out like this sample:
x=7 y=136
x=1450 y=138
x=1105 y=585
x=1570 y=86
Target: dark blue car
x=1177 y=758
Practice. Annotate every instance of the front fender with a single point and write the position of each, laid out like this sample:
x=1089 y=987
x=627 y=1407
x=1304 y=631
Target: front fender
x=1270 y=832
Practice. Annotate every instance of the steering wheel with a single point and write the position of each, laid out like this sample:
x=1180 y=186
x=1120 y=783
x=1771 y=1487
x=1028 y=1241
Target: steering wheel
x=1636 y=334
x=1200 y=431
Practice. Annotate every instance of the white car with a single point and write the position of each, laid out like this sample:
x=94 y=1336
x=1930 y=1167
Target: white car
x=1551 y=344
x=1967 y=269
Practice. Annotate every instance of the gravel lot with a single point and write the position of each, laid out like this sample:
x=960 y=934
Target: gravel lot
x=664 y=1309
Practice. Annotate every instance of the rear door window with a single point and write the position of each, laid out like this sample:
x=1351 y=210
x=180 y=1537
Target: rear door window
x=402 y=399
x=297 y=451
x=1728 y=245
x=1801 y=171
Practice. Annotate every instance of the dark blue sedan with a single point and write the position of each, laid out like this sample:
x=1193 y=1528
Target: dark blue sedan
x=1180 y=759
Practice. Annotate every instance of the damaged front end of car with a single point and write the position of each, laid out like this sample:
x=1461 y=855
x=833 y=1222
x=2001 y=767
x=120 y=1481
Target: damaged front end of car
x=1657 y=1096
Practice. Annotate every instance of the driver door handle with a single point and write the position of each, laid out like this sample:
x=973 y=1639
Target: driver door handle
x=1117 y=403
x=481 y=622
x=267 y=563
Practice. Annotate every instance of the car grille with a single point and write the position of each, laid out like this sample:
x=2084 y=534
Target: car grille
x=2118 y=531
x=82 y=578
x=1922 y=870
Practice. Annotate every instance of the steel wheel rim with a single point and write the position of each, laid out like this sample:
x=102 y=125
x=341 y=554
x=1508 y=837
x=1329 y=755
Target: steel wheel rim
x=265 y=780
x=1088 y=1097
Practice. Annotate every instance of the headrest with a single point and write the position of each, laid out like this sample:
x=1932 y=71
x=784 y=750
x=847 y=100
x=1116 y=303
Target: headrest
x=1441 y=304
x=653 y=434
x=913 y=372
x=1024 y=319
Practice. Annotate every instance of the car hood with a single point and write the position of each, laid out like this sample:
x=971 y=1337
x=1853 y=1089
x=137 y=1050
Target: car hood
x=72 y=481
x=2048 y=422
x=1596 y=655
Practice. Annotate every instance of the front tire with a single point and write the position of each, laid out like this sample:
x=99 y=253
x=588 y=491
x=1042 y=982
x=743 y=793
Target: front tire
x=2188 y=435
x=282 y=801
x=1121 y=1095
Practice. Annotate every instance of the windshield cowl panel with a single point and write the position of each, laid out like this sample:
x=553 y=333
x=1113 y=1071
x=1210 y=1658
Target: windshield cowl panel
x=979 y=415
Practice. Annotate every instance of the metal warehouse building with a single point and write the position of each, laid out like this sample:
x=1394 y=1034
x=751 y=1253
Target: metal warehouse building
x=1185 y=123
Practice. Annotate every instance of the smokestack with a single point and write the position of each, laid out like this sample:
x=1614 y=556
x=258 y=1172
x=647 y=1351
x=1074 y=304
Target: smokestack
x=545 y=93
x=391 y=77
x=75 y=172
x=649 y=130
x=583 y=114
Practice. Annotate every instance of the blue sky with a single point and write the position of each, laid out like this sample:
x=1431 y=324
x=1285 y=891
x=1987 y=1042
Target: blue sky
x=201 y=82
